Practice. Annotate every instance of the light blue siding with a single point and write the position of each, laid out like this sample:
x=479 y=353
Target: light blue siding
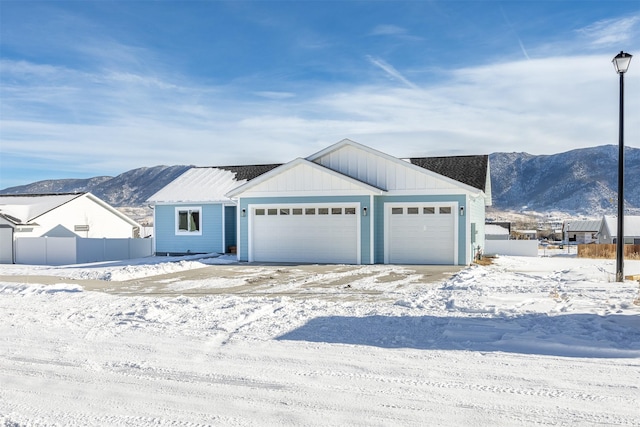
x=380 y=201
x=477 y=216
x=365 y=225
x=209 y=241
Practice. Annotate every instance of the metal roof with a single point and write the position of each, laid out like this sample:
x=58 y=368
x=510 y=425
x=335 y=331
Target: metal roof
x=583 y=226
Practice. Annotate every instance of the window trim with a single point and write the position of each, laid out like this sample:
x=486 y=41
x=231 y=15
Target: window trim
x=189 y=210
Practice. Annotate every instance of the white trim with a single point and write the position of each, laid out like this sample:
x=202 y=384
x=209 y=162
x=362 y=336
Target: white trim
x=179 y=209
x=372 y=240
x=387 y=223
x=250 y=215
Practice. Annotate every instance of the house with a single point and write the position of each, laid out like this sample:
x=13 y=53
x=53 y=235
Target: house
x=345 y=204
x=59 y=215
x=609 y=230
x=581 y=232
x=495 y=231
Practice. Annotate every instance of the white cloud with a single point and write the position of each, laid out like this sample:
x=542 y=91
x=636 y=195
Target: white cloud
x=390 y=70
x=611 y=32
x=118 y=120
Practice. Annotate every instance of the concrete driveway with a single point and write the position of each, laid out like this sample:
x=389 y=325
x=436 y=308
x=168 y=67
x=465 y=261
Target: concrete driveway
x=260 y=279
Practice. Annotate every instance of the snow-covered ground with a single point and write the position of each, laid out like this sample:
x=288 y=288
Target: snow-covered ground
x=551 y=340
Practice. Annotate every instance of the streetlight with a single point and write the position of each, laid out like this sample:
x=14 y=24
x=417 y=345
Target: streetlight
x=621 y=64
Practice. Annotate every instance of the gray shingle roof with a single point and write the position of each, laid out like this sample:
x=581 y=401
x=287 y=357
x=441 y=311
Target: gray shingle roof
x=470 y=170
x=249 y=172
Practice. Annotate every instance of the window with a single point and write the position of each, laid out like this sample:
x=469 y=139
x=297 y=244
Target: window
x=310 y=211
x=284 y=211
x=272 y=211
x=336 y=211
x=297 y=211
x=429 y=211
x=323 y=211
x=188 y=221
x=349 y=211
x=412 y=211
x=445 y=210
x=259 y=211
x=397 y=211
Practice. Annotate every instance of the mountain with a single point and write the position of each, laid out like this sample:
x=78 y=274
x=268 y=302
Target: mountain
x=131 y=188
x=582 y=181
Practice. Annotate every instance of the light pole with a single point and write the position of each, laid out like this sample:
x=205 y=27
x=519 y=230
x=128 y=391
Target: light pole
x=621 y=64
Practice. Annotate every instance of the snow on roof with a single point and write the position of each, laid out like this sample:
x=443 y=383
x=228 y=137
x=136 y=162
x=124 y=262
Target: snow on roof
x=198 y=185
x=631 y=225
x=495 y=229
x=27 y=207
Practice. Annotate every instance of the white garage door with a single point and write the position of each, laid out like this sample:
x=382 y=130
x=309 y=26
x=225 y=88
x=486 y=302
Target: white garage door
x=6 y=245
x=420 y=234
x=296 y=233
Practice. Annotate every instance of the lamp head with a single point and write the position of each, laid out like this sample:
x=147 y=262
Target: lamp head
x=621 y=62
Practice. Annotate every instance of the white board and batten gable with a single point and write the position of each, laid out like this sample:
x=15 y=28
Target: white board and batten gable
x=383 y=171
x=304 y=178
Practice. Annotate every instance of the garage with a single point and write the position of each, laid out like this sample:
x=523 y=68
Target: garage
x=304 y=233
x=420 y=234
x=6 y=244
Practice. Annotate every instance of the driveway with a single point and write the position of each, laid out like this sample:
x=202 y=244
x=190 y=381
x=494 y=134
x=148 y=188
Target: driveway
x=253 y=279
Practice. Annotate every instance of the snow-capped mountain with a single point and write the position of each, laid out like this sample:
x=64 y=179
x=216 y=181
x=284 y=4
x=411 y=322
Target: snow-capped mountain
x=130 y=188
x=582 y=181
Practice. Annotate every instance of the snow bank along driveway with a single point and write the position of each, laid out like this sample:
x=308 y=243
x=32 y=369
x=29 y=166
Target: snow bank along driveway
x=526 y=341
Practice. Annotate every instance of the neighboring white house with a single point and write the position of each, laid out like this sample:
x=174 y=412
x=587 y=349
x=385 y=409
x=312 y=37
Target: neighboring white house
x=581 y=232
x=609 y=230
x=495 y=232
x=59 y=215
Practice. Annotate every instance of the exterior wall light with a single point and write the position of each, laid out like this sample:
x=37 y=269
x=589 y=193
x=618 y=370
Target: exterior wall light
x=461 y=210
x=243 y=212
x=364 y=211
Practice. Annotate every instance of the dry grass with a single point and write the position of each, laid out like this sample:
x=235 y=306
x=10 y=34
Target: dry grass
x=485 y=260
x=605 y=251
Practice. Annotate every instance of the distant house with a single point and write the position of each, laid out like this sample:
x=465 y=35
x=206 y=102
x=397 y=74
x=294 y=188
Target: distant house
x=345 y=204
x=581 y=232
x=59 y=215
x=609 y=230
x=526 y=234
x=494 y=231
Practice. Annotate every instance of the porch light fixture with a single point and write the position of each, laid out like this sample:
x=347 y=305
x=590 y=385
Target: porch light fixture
x=243 y=212
x=364 y=211
x=461 y=210
x=621 y=63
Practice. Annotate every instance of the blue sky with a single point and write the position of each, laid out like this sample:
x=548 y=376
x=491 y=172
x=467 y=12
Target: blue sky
x=91 y=88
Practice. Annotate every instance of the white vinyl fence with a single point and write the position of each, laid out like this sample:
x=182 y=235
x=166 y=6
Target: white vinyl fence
x=78 y=250
x=511 y=247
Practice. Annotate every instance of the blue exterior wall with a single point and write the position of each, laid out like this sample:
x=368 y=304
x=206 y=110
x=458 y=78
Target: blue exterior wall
x=379 y=211
x=230 y=227
x=365 y=224
x=209 y=241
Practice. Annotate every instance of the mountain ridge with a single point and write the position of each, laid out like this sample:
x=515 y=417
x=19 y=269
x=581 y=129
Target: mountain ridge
x=581 y=181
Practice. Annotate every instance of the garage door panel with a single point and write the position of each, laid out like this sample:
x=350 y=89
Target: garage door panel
x=306 y=237
x=421 y=235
